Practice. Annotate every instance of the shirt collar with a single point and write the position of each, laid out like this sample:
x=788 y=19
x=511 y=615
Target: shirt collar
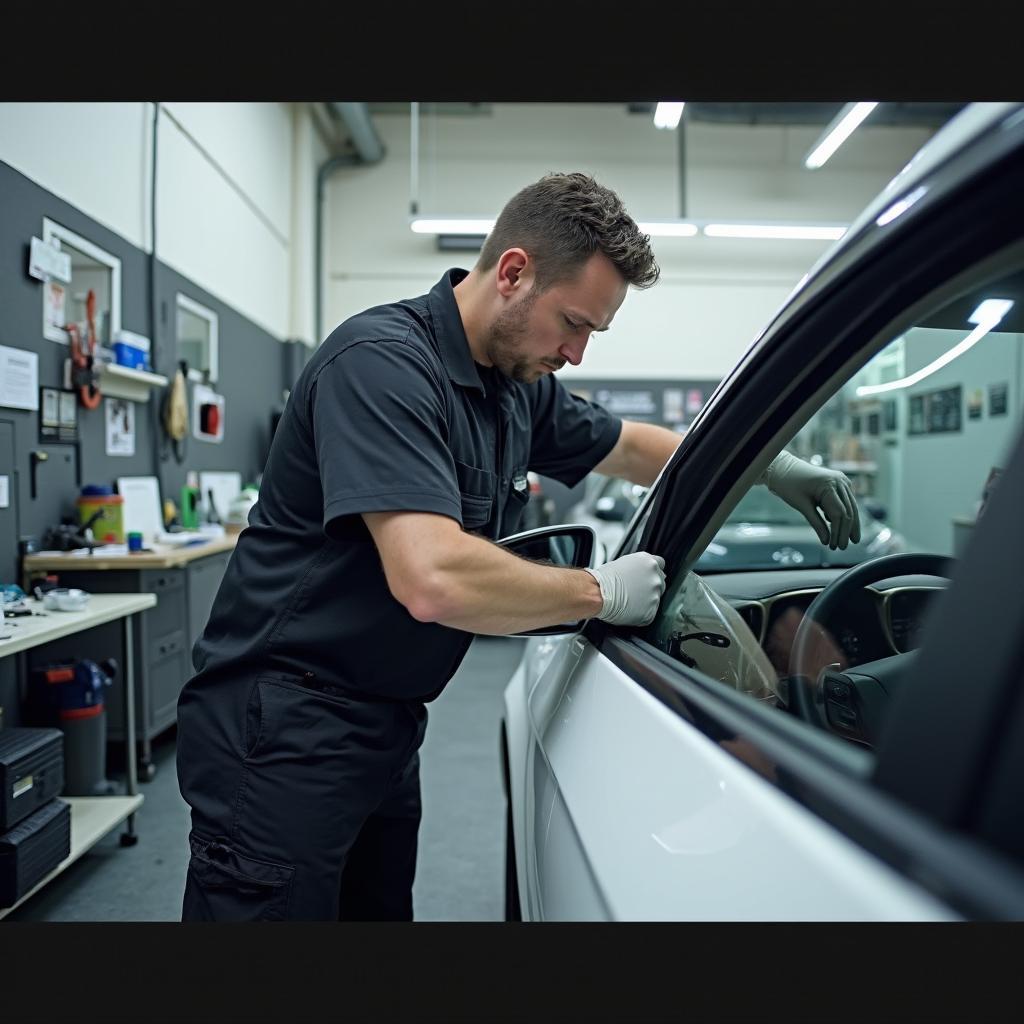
x=450 y=333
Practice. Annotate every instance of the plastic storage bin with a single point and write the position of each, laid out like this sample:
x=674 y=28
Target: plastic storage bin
x=31 y=771
x=109 y=529
x=32 y=849
x=131 y=350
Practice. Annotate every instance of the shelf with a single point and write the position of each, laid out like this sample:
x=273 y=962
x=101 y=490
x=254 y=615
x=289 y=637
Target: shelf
x=92 y=817
x=854 y=467
x=123 y=382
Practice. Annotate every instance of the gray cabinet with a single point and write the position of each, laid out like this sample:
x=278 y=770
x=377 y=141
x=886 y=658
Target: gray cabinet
x=203 y=581
x=163 y=638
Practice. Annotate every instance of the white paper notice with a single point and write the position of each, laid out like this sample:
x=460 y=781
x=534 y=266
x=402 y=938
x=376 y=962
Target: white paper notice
x=19 y=378
x=5 y=492
x=120 y=426
x=141 y=509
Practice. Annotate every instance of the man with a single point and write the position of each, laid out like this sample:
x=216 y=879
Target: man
x=367 y=565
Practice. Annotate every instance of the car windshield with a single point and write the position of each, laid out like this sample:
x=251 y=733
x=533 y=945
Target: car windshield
x=921 y=431
x=761 y=506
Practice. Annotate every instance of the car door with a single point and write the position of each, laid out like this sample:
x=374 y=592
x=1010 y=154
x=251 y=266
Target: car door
x=682 y=787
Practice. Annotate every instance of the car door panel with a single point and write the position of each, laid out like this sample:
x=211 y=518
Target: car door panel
x=549 y=664
x=661 y=823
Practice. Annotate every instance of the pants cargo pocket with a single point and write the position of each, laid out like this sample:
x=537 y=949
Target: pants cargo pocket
x=225 y=885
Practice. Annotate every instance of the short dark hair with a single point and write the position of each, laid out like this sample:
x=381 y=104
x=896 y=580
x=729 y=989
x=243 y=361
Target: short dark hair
x=561 y=221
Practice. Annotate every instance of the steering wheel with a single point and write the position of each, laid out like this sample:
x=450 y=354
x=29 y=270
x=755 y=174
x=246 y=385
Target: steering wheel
x=849 y=703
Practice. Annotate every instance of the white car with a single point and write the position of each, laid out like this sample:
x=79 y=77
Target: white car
x=807 y=742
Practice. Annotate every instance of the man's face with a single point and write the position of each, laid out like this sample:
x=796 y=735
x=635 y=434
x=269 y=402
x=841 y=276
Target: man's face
x=539 y=333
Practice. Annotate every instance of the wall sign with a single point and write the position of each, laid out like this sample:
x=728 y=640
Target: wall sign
x=19 y=378
x=58 y=416
x=997 y=399
x=626 y=403
x=670 y=403
x=120 y=420
x=975 y=403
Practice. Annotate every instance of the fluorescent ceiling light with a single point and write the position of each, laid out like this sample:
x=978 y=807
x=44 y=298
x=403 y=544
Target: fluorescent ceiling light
x=668 y=228
x=655 y=228
x=986 y=316
x=990 y=312
x=451 y=226
x=667 y=115
x=821 y=232
x=838 y=131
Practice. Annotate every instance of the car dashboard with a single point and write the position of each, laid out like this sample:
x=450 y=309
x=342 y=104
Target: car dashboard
x=883 y=619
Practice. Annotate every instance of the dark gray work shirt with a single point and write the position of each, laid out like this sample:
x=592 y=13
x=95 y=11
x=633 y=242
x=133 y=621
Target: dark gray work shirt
x=390 y=414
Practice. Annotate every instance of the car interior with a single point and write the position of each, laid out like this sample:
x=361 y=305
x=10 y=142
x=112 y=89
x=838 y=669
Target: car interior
x=922 y=430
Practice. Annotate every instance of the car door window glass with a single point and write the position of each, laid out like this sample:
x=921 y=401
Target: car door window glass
x=922 y=431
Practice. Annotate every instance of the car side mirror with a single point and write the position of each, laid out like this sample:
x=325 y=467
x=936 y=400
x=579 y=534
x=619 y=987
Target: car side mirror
x=573 y=546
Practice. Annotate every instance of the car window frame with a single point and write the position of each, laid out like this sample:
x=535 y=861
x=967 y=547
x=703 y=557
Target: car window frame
x=872 y=288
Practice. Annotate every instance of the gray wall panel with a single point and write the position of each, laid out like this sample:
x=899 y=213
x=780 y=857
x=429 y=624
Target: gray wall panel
x=252 y=368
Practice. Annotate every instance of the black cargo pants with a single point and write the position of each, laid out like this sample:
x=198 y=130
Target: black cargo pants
x=305 y=802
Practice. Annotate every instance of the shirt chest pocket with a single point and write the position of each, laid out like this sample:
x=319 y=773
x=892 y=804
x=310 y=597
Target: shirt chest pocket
x=515 y=501
x=477 y=489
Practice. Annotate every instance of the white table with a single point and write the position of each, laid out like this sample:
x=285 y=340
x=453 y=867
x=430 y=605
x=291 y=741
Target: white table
x=92 y=817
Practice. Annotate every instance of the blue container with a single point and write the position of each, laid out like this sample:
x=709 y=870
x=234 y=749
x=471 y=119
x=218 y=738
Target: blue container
x=129 y=355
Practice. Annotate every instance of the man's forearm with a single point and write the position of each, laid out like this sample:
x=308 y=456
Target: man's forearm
x=481 y=588
x=641 y=452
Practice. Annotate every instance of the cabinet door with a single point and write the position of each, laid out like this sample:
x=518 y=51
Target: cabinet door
x=167 y=672
x=204 y=578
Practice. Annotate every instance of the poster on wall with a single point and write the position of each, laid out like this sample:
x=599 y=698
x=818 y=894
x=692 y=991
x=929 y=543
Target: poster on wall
x=975 y=402
x=19 y=378
x=936 y=412
x=672 y=405
x=997 y=399
x=120 y=415
x=54 y=310
x=631 y=403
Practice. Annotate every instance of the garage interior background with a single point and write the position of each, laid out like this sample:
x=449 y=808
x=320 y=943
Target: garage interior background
x=263 y=212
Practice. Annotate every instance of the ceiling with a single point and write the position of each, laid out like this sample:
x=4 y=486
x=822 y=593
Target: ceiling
x=924 y=115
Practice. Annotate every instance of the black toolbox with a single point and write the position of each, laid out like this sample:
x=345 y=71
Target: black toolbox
x=32 y=849
x=31 y=771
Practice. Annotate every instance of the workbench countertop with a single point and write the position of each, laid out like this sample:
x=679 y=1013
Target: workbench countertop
x=158 y=556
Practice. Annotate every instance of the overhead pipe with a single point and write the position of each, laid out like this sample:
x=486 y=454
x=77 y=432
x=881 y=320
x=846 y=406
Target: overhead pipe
x=369 y=150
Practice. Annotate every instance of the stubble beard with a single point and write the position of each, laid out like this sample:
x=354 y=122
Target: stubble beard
x=505 y=343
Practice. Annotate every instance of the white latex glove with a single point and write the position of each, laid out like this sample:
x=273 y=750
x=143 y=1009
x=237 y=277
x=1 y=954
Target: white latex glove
x=631 y=587
x=810 y=488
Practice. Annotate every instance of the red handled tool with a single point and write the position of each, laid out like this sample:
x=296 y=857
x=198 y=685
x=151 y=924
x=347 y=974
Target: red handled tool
x=83 y=375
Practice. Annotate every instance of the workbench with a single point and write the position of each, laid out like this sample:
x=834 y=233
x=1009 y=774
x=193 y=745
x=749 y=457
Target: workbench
x=92 y=817
x=185 y=579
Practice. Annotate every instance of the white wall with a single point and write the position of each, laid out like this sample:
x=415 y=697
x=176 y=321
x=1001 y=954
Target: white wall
x=94 y=156
x=714 y=296
x=234 y=190
x=944 y=474
x=224 y=179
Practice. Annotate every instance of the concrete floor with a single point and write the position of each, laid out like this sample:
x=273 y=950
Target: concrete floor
x=460 y=874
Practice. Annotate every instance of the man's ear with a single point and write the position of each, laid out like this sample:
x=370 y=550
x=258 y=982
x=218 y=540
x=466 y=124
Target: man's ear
x=514 y=272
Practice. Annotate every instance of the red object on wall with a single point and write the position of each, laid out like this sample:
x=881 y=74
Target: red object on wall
x=209 y=418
